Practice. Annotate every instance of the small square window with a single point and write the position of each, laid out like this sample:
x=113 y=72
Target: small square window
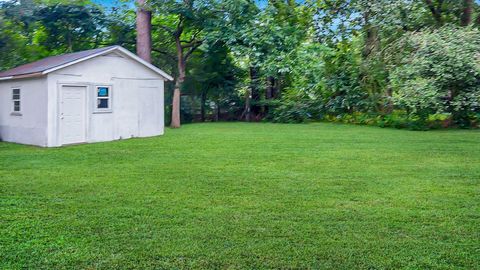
x=103 y=99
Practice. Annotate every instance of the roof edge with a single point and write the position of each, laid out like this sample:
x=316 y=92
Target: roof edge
x=145 y=63
x=114 y=48
x=106 y=50
x=22 y=76
x=77 y=61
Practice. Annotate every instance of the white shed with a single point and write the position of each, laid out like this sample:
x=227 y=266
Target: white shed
x=90 y=96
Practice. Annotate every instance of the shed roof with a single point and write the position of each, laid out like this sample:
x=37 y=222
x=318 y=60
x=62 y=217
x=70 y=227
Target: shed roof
x=53 y=63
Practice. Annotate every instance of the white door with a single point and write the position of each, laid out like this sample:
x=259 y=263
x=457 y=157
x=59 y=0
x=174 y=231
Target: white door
x=73 y=113
x=148 y=120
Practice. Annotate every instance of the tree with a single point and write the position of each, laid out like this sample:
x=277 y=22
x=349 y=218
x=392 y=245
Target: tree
x=12 y=44
x=436 y=73
x=263 y=41
x=284 y=60
x=184 y=23
x=144 y=31
x=71 y=28
x=466 y=17
x=436 y=8
x=451 y=11
x=211 y=82
x=41 y=29
x=121 y=27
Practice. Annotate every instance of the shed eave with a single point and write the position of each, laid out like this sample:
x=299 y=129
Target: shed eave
x=38 y=72
x=120 y=49
x=145 y=63
x=22 y=76
x=77 y=61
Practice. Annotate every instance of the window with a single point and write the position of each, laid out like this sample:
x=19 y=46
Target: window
x=103 y=98
x=16 y=100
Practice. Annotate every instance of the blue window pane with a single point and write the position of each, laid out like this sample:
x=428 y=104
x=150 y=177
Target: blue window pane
x=102 y=91
x=102 y=103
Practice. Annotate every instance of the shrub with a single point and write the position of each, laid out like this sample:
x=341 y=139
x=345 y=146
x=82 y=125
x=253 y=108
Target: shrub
x=439 y=75
x=397 y=119
x=295 y=111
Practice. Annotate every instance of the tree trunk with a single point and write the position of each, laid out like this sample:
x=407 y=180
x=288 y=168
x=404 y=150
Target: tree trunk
x=249 y=95
x=370 y=58
x=70 y=43
x=144 y=32
x=217 y=114
x=466 y=18
x=254 y=93
x=436 y=11
x=176 y=105
x=388 y=94
x=203 y=99
x=270 y=91
x=372 y=41
x=275 y=88
x=247 y=112
x=181 y=65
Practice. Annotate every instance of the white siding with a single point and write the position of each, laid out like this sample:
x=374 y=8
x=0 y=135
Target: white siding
x=31 y=126
x=137 y=98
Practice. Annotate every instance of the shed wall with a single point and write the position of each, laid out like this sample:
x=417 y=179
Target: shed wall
x=31 y=126
x=137 y=98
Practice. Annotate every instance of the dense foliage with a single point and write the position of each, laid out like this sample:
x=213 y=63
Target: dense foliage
x=439 y=73
x=408 y=64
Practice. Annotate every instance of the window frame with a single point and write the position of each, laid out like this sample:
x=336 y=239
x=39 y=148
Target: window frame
x=109 y=98
x=19 y=100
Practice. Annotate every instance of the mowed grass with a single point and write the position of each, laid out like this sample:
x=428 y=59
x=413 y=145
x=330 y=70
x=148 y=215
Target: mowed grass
x=246 y=196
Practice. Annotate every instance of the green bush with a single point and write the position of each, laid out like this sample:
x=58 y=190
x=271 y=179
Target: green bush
x=295 y=111
x=433 y=78
x=396 y=119
x=439 y=74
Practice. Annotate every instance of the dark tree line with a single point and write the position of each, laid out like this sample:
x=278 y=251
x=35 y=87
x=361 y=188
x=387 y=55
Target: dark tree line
x=385 y=62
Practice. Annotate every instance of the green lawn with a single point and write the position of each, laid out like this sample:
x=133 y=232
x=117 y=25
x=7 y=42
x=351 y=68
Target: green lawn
x=237 y=195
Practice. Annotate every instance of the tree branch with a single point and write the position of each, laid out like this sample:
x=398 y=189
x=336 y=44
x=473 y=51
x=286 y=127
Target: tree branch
x=165 y=53
x=192 y=49
x=179 y=30
x=168 y=29
x=192 y=44
x=436 y=11
x=192 y=39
